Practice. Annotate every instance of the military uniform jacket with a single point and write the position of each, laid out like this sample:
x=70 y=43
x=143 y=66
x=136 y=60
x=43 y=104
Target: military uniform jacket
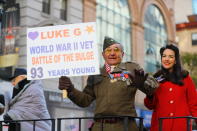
x=112 y=98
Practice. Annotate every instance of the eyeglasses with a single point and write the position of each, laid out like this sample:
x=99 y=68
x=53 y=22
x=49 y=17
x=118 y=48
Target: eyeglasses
x=115 y=50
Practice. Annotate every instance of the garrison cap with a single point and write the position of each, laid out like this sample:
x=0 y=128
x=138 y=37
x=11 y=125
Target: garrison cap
x=108 y=42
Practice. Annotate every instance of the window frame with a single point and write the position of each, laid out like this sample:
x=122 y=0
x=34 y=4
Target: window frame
x=155 y=36
x=107 y=14
x=46 y=6
x=194 y=42
x=63 y=10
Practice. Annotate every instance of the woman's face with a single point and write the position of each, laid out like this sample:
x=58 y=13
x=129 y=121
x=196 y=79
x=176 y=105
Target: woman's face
x=168 y=59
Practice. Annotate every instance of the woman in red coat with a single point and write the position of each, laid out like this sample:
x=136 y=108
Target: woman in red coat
x=176 y=95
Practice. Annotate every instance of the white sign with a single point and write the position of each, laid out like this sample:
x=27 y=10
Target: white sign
x=63 y=50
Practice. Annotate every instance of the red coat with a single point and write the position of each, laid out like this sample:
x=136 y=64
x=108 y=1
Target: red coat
x=172 y=100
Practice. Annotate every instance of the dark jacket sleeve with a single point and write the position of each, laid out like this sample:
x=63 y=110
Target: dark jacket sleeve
x=150 y=102
x=84 y=98
x=150 y=84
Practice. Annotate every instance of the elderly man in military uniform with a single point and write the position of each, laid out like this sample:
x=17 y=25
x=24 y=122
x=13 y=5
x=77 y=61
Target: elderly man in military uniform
x=113 y=90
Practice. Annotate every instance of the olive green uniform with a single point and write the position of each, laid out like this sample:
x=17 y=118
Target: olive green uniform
x=114 y=98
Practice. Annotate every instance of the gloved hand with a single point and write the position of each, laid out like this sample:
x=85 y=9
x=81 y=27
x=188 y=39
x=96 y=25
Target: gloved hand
x=138 y=78
x=160 y=76
x=2 y=110
x=2 y=99
x=7 y=118
x=65 y=84
x=2 y=104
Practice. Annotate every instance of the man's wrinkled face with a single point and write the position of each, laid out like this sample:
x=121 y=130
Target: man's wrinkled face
x=113 y=54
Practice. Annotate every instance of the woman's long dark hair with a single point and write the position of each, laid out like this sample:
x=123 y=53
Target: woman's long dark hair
x=176 y=75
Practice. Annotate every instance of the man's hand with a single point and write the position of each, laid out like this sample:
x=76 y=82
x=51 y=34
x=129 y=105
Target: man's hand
x=65 y=83
x=2 y=108
x=2 y=103
x=2 y=99
x=144 y=82
x=7 y=118
x=138 y=78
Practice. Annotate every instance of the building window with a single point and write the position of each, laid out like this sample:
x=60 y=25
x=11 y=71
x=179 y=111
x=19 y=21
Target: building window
x=155 y=37
x=46 y=6
x=63 y=10
x=113 y=20
x=194 y=38
x=194 y=6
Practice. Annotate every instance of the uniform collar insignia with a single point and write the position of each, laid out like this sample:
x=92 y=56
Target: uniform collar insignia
x=121 y=66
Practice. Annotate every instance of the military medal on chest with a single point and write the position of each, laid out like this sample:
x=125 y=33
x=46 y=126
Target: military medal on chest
x=126 y=77
x=112 y=78
x=119 y=76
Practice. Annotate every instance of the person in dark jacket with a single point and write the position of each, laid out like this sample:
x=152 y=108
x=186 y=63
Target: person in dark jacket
x=113 y=90
x=27 y=103
x=176 y=95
